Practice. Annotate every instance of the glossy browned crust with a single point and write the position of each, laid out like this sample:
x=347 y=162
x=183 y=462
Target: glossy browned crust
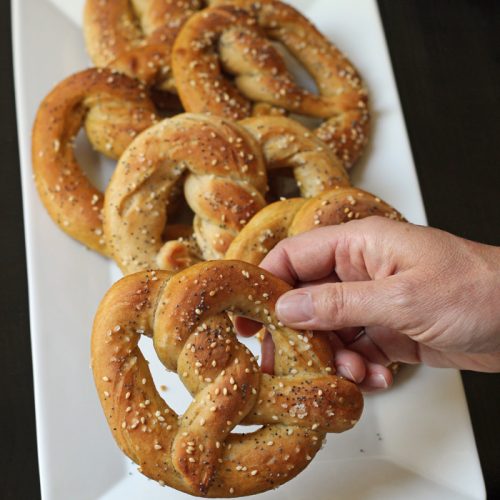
x=186 y=316
x=238 y=40
x=224 y=181
x=291 y=217
x=136 y=37
x=286 y=143
x=114 y=109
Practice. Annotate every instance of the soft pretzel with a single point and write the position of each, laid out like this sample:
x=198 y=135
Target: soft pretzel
x=136 y=37
x=114 y=109
x=286 y=143
x=226 y=38
x=185 y=314
x=224 y=178
x=297 y=215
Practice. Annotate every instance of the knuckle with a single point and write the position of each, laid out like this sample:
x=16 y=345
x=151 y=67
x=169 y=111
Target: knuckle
x=402 y=295
x=329 y=304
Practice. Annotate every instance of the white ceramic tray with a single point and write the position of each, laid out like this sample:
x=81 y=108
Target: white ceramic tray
x=414 y=441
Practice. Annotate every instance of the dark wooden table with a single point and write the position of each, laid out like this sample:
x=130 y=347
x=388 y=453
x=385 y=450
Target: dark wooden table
x=446 y=57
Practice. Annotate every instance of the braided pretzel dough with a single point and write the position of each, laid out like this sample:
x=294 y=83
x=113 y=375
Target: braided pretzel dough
x=186 y=316
x=113 y=108
x=238 y=41
x=136 y=37
x=286 y=143
x=225 y=179
x=296 y=215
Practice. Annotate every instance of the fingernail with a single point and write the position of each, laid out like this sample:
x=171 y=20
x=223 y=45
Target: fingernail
x=294 y=307
x=345 y=371
x=377 y=380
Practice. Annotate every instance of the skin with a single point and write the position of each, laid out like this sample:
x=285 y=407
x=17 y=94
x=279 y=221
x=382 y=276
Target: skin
x=421 y=294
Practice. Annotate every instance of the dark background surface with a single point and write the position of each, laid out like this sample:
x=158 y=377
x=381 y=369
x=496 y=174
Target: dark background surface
x=446 y=58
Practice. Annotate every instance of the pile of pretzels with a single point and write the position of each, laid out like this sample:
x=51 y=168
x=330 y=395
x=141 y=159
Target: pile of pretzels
x=194 y=101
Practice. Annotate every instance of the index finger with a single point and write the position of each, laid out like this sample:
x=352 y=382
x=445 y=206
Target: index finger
x=309 y=256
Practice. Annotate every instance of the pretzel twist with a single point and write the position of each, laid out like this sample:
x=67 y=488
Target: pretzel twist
x=286 y=143
x=238 y=41
x=136 y=37
x=186 y=316
x=290 y=217
x=113 y=108
x=224 y=180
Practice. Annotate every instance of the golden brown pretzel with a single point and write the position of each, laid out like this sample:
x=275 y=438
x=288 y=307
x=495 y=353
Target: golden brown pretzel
x=296 y=215
x=114 y=109
x=185 y=314
x=224 y=178
x=286 y=143
x=239 y=41
x=136 y=37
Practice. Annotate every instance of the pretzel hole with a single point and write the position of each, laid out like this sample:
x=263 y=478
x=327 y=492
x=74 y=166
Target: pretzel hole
x=302 y=77
x=96 y=166
x=179 y=212
x=176 y=395
x=282 y=184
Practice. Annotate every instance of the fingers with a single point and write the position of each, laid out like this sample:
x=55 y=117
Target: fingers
x=333 y=306
x=353 y=366
x=359 y=250
x=246 y=327
x=267 y=362
x=307 y=257
x=377 y=377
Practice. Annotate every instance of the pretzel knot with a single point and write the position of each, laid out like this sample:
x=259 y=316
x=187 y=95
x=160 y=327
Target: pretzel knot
x=136 y=37
x=224 y=178
x=186 y=315
x=114 y=109
x=239 y=41
x=290 y=217
x=286 y=143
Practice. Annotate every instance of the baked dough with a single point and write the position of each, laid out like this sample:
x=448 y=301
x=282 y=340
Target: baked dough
x=185 y=314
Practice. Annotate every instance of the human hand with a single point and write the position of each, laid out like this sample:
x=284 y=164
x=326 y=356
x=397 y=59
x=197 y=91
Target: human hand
x=406 y=293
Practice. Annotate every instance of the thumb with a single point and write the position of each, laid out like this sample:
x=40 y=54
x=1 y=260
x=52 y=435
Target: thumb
x=337 y=305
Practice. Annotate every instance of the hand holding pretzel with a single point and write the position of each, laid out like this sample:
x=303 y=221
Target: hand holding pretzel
x=185 y=314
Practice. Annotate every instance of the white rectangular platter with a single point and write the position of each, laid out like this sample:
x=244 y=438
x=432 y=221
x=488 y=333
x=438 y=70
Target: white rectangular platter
x=415 y=441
